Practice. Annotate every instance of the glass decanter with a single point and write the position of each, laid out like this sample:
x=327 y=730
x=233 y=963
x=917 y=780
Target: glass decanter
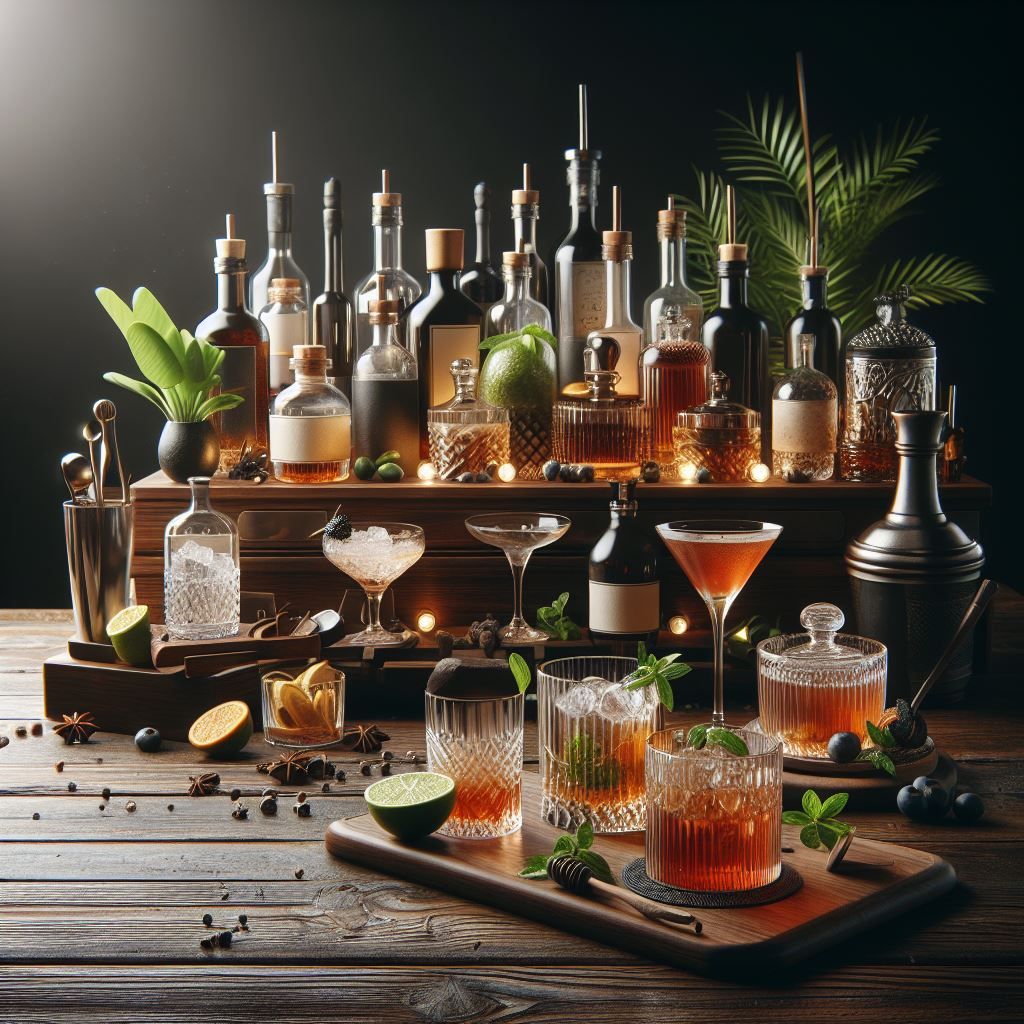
x=517 y=308
x=804 y=421
x=466 y=435
x=673 y=290
x=201 y=578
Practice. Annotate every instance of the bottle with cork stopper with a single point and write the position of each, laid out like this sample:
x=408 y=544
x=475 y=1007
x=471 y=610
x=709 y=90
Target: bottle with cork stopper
x=673 y=290
x=332 y=311
x=311 y=423
x=246 y=355
x=481 y=282
x=525 y=214
x=285 y=319
x=517 y=309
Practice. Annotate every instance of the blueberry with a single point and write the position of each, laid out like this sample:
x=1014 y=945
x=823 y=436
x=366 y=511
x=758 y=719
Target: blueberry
x=483 y=478
x=586 y=473
x=567 y=474
x=650 y=473
x=148 y=740
x=968 y=807
x=844 y=747
x=703 y=476
x=550 y=469
x=910 y=802
x=936 y=797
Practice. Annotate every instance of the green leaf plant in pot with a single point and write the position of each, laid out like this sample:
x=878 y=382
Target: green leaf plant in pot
x=181 y=372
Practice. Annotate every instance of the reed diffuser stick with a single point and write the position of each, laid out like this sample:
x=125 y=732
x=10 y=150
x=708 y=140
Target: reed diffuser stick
x=812 y=220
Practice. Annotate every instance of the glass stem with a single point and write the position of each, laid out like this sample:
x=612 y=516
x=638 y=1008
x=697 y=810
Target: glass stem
x=517 y=590
x=718 y=608
x=373 y=612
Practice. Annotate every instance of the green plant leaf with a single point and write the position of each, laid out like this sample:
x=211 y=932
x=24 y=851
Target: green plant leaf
x=520 y=671
x=536 y=867
x=154 y=356
x=833 y=805
x=881 y=737
x=665 y=694
x=195 y=365
x=811 y=803
x=564 y=844
x=697 y=737
x=721 y=737
x=119 y=311
x=149 y=311
x=809 y=836
x=795 y=818
x=585 y=835
x=597 y=864
x=827 y=837
x=141 y=388
x=218 y=403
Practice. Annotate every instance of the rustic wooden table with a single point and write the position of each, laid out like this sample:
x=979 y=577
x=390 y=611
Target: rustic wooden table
x=100 y=908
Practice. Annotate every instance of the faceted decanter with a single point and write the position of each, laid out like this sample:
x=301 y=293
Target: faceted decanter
x=804 y=421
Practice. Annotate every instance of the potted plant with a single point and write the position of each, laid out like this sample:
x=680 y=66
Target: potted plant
x=182 y=374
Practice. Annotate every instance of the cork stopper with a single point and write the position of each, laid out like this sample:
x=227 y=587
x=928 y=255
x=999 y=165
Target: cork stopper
x=617 y=245
x=445 y=248
x=806 y=272
x=385 y=197
x=671 y=222
x=230 y=247
x=383 y=311
x=282 y=288
x=517 y=259
x=525 y=196
x=732 y=253
x=309 y=359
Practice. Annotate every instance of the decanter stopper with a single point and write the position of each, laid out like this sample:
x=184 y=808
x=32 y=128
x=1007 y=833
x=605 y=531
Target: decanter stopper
x=822 y=621
x=673 y=325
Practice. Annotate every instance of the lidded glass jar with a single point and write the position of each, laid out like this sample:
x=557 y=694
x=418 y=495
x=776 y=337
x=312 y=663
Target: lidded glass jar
x=890 y=367
x=201 y=578
x=804 y=420
x=466 y=435
x=812 y=685
x=720 y=436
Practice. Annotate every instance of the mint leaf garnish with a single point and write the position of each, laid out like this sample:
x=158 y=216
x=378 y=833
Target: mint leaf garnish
x=697 y=737
x=552 y=619
x=598 y=865
x=659 y=672
x=818 y=824
x=811 y=804
x=520 y=671
x=878 y=759
x=880 y=736
x=718 y=736
x=577 y=846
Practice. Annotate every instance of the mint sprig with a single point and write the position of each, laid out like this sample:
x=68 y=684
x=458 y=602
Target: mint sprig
x=701 y=736
x=657 y=671
x=520 y=671
x=552 y=619
x=818 y=823
x=577 y=846
x=877 y=757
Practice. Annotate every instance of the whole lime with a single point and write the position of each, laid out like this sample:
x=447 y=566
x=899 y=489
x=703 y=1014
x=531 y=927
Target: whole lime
x=390 y=472
x=364 y=468
x=517 y=374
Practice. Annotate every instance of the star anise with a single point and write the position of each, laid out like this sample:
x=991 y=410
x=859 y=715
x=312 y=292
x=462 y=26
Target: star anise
x=203 y=785
x=76 y=727
x=365 y=738
x=290 y=768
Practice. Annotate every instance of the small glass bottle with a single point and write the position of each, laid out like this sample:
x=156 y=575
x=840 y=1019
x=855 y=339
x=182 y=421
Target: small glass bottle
x=517 y=309
x=332 y=311
x=673 y=377
x=285 y=319
x=201 y=578
x=814 y=317
x=311 y=423
x=673 y=290
x=525 y=214
x=466 y=435
x=805 y=418
x=480 y=281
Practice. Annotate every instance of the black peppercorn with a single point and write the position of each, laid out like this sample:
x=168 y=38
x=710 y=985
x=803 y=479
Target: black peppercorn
x=268 y=806
x=224 y=940
x=207 y=919
x=243 y=919
x=105 y=793
x=234 y=794
x=35 y=816
x=72 y=786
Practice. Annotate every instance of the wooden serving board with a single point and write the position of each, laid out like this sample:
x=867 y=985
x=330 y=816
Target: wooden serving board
x=877 y=881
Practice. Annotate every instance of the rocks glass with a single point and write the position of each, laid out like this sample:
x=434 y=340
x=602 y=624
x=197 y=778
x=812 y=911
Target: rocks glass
x=303 y=705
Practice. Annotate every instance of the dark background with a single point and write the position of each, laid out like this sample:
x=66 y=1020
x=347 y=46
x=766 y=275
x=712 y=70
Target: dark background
x=129 y=127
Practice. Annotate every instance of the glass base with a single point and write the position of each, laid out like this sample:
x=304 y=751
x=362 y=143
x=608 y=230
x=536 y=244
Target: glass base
x=379 y=638
x=201 y=630
x=524 y=634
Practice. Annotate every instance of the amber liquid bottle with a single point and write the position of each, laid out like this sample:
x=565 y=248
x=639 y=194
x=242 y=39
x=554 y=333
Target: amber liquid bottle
x=247 y=355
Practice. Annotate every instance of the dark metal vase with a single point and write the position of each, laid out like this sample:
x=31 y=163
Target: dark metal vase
x=188 y=449
x=913 y=573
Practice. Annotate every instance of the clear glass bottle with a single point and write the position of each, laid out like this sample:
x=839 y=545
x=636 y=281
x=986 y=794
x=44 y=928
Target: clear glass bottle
x=480 y=281
x=332 y=312
x=673 y=290
x=311 y=423
x=201 y=578
x=525 y=214
x=517 y=309
x=285 y=319
x=805 y=417
x=673 y=377
x=466 y=435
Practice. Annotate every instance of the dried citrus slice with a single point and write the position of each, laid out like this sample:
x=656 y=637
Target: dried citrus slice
x=293 y=700
x=222 y=731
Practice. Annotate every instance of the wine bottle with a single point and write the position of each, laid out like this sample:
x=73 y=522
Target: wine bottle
x=481 y=282
x=332 y=311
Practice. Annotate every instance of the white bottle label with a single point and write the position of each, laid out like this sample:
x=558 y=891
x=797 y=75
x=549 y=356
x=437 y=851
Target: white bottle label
x=587 y=298
x=310 y=438
x=284 y=331
x=628 y=366
x=624 y=607
x=447 y=344
x=804 y=426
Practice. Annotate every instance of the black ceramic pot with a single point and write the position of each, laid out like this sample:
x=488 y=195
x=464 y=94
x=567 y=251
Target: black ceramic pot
x=188 y=449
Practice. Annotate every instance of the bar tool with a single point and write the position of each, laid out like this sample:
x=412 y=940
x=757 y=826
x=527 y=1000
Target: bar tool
x=77 y=475
x=92 y=432
x=106 y=412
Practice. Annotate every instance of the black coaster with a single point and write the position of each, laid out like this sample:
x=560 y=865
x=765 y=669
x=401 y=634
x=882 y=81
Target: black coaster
x=635 y=877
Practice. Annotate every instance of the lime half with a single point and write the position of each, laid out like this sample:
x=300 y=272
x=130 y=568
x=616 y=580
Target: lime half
x=129 y=633
x=412 y=805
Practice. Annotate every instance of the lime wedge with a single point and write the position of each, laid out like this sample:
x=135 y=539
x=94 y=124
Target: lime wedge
x=412 y=805
x=129 y=632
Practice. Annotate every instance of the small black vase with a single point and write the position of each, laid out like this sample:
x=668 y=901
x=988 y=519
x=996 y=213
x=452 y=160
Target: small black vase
x=188 y=449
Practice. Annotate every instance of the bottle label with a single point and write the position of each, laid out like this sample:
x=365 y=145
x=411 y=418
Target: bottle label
x=588 y=306
x=806 y=427
x=624 y=607
x=628 y=366
x=448 y=343
x=284 y=331
x=310 y=438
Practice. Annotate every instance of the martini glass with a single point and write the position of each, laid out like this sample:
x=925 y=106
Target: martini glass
x=718 y=557
x=375 y=555
x=518 y=534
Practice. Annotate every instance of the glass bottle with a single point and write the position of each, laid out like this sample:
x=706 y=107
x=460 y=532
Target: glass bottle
x=805 y=417
x=517 y=309
x=332 y=311
x=673 y=290
x=385 y=389
x=617 y=251
x=244 y=371
x=673 y=377
x=816 y=318
x=466 y=435
x=400 y=285
x=284 y=318
x=201 y=578
x=443 y=325
x=311 y=423
x=890 y=367
x=525 y=214
x=481 y=282
x=954 y=448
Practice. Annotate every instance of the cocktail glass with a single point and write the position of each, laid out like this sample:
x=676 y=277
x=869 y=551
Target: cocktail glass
x=718 y=557
x=375 y=555
x=714 y=818
x=518 y=534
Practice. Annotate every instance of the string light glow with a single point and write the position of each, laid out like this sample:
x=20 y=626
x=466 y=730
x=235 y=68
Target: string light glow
x=426 y=471
x=678 y=625
x=687 y=472
x=760 y=473
x=426 y=621
x=507 y=473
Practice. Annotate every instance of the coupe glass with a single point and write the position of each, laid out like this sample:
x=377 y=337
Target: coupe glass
x=518 y=534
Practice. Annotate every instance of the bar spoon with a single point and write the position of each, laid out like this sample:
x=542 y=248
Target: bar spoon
x=77 y=474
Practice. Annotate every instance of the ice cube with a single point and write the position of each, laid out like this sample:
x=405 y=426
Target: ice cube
x=377 y=535
x=578 y=700
x=621 y=705
x=192 y=552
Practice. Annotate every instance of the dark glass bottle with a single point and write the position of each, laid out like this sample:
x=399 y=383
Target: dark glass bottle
x=624 y=590
x=816 y=318
x=481 y=282
x=332 y=311
x=443 y=325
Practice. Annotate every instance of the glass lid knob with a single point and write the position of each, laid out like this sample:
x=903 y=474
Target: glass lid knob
x=822 y=621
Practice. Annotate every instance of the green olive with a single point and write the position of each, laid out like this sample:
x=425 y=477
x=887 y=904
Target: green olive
x=383 y=460
x=364 y=468
x=390 y=472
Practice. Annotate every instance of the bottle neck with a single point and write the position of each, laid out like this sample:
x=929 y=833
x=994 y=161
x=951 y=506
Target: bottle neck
x=623 y=510
x=385 y=334
x=617 y=292
x=311 y=378
x=673 y=262
x=583 y=180
x=387 y=247
x=231 y=290
x=200 y=495
x=483 y=238
x=444 y=280
x=917 y=485
x=279 y=243
x=732 y=288
x=815 y=291
x=334 y=277
x=517 y=285
x=524 y=221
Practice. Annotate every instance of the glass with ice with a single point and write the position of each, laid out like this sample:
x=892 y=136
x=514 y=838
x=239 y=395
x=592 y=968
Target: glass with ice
x=592 y=732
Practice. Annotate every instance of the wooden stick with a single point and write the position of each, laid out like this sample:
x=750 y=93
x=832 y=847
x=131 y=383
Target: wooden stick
x=229 y=225
x=671 y=203
x=273 y=152
x=385 y=181
x=730 y=213
x=649 y=908
x=616 y=208
x=811 y=219
x=584 y=126
x=526 y=177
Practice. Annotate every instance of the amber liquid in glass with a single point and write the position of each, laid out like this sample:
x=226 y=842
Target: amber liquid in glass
x=484 y=801
x=673 y=378
x=308 y=472
x=718 y=568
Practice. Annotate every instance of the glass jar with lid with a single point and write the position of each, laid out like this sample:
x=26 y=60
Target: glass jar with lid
x=812 y=685
x=719 y=436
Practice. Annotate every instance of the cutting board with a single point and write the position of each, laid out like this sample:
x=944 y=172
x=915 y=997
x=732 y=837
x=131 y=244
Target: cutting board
x=877 y=881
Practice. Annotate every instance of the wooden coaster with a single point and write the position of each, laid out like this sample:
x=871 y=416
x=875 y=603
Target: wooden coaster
x=635 y=877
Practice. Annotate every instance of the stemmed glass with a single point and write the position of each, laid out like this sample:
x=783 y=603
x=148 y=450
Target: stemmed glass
x=718 y=557
x=518 y=534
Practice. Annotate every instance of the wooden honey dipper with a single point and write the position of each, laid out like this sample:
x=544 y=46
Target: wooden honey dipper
x=572 y=874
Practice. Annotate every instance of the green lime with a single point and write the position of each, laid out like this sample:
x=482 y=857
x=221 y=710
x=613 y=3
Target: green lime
x=412 y=805
x=391 y=456
x=390 y=472
x=130 y=634
x=516 y=373
x=364 y=468
x=222 y=731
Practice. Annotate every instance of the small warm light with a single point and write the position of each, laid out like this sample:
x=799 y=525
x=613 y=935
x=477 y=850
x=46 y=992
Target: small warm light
x=507 y=472
x=687 y=472
x=678 y=625
x=760 y=473
x=426 y=471
x=425 y=622
x=742 y=635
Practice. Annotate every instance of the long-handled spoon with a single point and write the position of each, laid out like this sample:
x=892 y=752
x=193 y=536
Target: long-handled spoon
x=92 y=432
x=77 y=474
x=106 y=412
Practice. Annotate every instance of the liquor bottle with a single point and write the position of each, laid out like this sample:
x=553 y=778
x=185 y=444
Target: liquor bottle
x=525 y=214
x=284 y=319
x=311 y=423
x=400 y=286
x=246 y=361
x=617 y=252
x=954 y=448
x=385 y=388
x=624 y=590
x=443 y=325
x=816 y=318
x=279 y=261
x=481 y=282
x=332 y=311
x=579 y=272
x=517 y=309
x=673 y=289
x=805 y=417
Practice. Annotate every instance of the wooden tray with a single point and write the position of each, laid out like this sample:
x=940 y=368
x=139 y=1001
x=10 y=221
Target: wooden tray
x=876 y=882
